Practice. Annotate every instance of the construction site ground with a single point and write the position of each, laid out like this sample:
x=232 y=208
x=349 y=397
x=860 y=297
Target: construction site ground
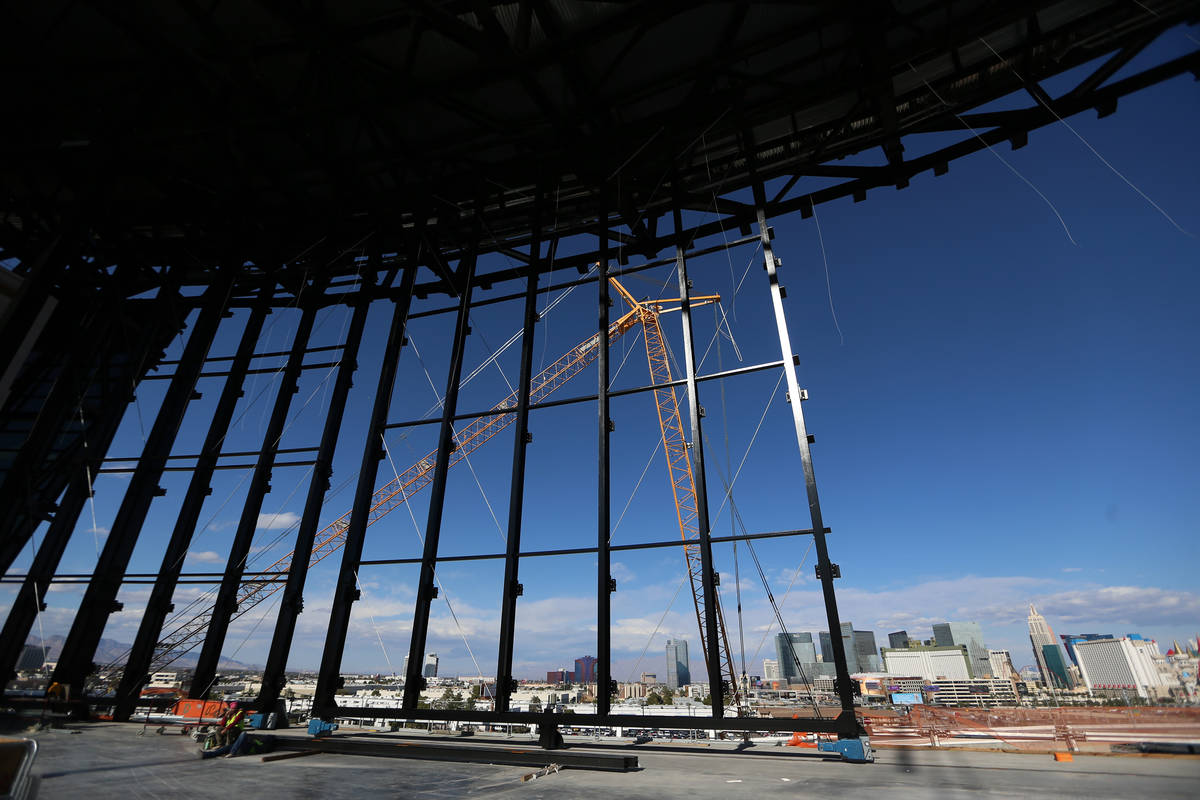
x=99 y=760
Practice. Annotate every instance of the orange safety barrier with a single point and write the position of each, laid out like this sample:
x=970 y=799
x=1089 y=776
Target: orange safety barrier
x=199 y=709
x=798 y=740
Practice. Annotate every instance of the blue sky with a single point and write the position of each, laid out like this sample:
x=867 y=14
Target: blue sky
x=1004 y=417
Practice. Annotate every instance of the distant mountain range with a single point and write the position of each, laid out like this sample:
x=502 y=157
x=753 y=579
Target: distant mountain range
x=111 y=651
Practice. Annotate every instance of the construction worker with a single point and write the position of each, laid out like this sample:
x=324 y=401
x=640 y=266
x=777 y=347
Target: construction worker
x=230 y=725
x=247 y=743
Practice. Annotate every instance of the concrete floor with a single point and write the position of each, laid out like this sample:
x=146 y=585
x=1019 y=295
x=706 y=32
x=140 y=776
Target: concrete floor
x=101 y=760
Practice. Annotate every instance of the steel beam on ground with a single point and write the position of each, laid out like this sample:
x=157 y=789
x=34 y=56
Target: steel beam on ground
x=100 y=599
x=516 y=497
x=715 y=644
x=842 y=725
x=499 y=753
x=293 y=592
x=426 y=588
x=226 y=602
x=199 y=487
x=346 y=590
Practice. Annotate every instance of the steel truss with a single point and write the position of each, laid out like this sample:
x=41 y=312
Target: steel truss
x=425 y=228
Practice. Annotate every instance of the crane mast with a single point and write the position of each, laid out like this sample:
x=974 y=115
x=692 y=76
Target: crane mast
x=683 y=481
x=187 y=628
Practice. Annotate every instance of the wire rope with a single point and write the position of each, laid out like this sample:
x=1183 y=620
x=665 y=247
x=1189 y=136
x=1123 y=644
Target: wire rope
x=421 y=538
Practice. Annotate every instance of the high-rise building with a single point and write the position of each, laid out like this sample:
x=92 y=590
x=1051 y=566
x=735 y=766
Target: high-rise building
x=970 y=635
x=32 y=657
x=678 y=671
x=557 y=676
x=861 y=655
x=431 y=665
x=865 y=653
x=771 y=670
x=1039 y=636
x=1057 y=665
x=899 y=639
x=585 y=669
x=795 y=654
x=931 y=663
x=1069 y=641
x=1002 y=664
x=1113 y=666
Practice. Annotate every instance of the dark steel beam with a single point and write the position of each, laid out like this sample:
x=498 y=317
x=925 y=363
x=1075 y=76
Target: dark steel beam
x=505 y=683
x=825 y=568
x=23 y=493
x=605 y=585
x=27 y=305
x=587 y=398
x=714 y=641
x=100 y=599
x=293 y=592
x=479 y=753
x=31 y=597
x=844 y=726
x=226 y=602
x=270 y=576
x=414 y=681
x=199 y=487
x=346 y=592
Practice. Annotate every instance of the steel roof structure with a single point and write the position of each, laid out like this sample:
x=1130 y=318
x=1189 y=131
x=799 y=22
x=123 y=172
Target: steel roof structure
x=177 y=133
x=165 y=162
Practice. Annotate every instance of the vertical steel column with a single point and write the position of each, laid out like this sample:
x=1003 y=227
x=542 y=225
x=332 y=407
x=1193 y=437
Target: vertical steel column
x=19 y=491
x=714 y=642
x=31 y=597
x=293 y=592
x=159 y=605
x=824 y=566
x=100 y=598
x=505 y=682
x=426 y=590
x=227 y=595
x=346 y=592
x=604 y=581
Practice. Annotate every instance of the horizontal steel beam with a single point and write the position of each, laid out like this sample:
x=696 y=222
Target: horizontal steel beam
x=584 y=398
x=572 y=551
x=274 y=577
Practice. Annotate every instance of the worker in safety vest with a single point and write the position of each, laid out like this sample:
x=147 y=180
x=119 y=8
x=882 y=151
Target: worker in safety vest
x=230 y=725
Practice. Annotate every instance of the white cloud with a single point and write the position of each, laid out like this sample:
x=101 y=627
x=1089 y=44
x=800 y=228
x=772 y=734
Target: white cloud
x=205 y=556
x=1072 y=569
x=1122 y=605
x=278 y=521
x=622 y=573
